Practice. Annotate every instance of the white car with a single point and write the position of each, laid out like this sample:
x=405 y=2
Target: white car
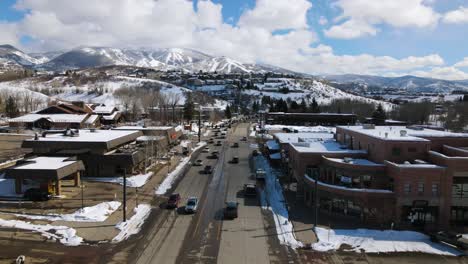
x=206 y=150
x=192 y=204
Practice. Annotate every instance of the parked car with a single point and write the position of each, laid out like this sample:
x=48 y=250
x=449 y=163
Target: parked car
x=218 y=143
x=250 y=189
x=173 y=201
x=36 y=194
x=211 y=141
x=198 y=163
x=192 y=204
x=206 y=150
x=450 y=238
x=260 y=175
x=214 y=155
x=255 y=153
x=230 y=211
x=235 y=145
x=208 y=169
x=235 y=160
x=244 y=138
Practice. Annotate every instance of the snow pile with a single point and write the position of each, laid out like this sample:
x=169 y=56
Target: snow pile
x=207 y=133
x=136 y=181
x=376 y=241
x=172 y=177
x=96 y=213
x=64 y=234
x=272 y=198
x=133 y=225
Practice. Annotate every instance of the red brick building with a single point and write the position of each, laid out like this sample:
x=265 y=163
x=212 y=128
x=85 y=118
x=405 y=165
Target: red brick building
x=411 y=177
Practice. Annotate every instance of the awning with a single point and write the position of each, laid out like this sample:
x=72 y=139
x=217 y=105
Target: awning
x=275 y=156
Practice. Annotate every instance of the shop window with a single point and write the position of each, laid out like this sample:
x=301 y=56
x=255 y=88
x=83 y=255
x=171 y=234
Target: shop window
x=396 y=151
x=407 y=188
x=420 y=188
x=412 y=150
x=435 y=189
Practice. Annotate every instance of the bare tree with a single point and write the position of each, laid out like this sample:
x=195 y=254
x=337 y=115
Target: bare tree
x=173 y=100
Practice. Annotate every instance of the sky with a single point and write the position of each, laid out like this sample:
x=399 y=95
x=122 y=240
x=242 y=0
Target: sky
x=426 y=38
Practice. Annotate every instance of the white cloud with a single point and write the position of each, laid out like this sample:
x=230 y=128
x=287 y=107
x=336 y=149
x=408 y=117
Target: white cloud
x=445 y=73
x=323 y=21
x=8 y=33
x=362 y=16
x=461 y=64
x=458 y=16
x=277 y=14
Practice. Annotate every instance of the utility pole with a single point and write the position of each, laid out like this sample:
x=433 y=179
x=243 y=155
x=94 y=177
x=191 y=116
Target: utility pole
x=316 y=198
x=125 y=196
x=199 y=123
x=82 y=196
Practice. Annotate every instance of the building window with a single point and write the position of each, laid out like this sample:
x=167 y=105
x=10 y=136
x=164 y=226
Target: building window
x=396 y=151
x=412 y=149
x=435 y=189
x=407 y=188
x=420 y=188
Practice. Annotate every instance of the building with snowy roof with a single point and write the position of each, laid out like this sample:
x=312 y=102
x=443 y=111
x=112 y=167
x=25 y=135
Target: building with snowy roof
x=411 y=176
x=310 y=119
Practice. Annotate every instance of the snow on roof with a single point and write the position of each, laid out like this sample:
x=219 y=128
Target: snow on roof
x=111 y=116
x=272 y=145
x=301 y=128
x=302 y=137
x=364 y=162
x=346 y=188
x=55 y=118
x=328 y=146
x=92 y=119
x=88 y=136
x=45 y=163
x=104 y=109
x=141 y=128
x=398 y=133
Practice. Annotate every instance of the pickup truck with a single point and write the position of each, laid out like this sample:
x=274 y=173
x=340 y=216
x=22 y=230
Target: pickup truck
x=450 y=238
x=260 y=175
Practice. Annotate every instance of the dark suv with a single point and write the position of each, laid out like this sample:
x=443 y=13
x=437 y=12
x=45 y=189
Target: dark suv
x=36 y=194
x=173 y=201
x=230 y=212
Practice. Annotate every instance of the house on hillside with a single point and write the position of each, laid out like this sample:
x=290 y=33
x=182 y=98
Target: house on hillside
x=108 y=115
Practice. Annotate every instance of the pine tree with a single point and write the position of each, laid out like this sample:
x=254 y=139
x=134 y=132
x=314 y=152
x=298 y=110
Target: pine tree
x=189 y=108
x=314 y=107
x=11 y=109
x=227 y=112
x=379 y=114
x=303 y=106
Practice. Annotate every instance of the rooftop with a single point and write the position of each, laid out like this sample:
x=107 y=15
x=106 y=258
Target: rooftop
x=363 y=162
x=45 y=163
x=302 y=137
x=55 y=118
x=104 y=109
x=142 y=128
x=327 y=146
x=88 y=136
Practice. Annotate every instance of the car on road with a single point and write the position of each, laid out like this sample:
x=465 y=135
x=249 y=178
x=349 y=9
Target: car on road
x=37 y=194
x=260 y=175
x=214 y=155
x=173 y=201
x=206 y=150
x=450 y=238
x=211 y=141
x=244 y=138
x=198 y=163
x=218 y=143
x=235 y=160
x=255 y=153
x=250 y=189
x=235 y=145
x=208 y=169
x=230 y=211
x=192 y=205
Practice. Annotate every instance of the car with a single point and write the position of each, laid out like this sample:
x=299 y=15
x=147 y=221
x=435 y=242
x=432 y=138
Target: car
x=260 y=175
x=173 y=201
x=214 y=155
x=206 y=150
x=235 y=145
x=185 y=151
x=191 y=206
x=218 y=143
x=255 y=153
x=198 y=163
x=244 y=138
x=230 y=211
x=211 y=141
x=235 y=159
x=450 y=238
x=250 y=189
x=208 y=169
x=37 y=194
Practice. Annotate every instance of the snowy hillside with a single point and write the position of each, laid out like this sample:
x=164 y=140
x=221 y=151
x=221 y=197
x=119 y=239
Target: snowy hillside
x=10 y=53
x=298 y=89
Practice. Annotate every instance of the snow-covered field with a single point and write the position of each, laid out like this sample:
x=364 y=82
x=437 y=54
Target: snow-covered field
x=376 y=241
x=63 y=234
x=133 y=225
x=96 y=213
x=132 y=181
x=175 y=174
x=272 y=199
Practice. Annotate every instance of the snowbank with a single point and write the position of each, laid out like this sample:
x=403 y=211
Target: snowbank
x=132 y=181
x=64 y=234
x=273 y=200
x=376 y=241
x=96 y=213
x=172 y=177
x=133 y=225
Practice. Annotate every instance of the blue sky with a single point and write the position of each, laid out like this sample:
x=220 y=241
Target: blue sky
x=385 y=37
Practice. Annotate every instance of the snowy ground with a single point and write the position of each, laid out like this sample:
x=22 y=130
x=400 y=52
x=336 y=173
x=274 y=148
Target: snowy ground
x=96 y=213
x=376 y=241
x=132 y=181
x=172 y=177
x=133 y=225
x=272 y=199
x=64 y=234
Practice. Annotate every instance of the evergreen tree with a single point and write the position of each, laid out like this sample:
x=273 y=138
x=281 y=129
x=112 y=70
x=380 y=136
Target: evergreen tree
x=11 y=109
x=314 y=107
x=294 y=106
x=379 y=114
x=189 y=108
x=227 y=112
x=303 y=106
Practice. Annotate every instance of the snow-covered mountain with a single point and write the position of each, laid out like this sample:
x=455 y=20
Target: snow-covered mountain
x=410 y=84
x=10 y=53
